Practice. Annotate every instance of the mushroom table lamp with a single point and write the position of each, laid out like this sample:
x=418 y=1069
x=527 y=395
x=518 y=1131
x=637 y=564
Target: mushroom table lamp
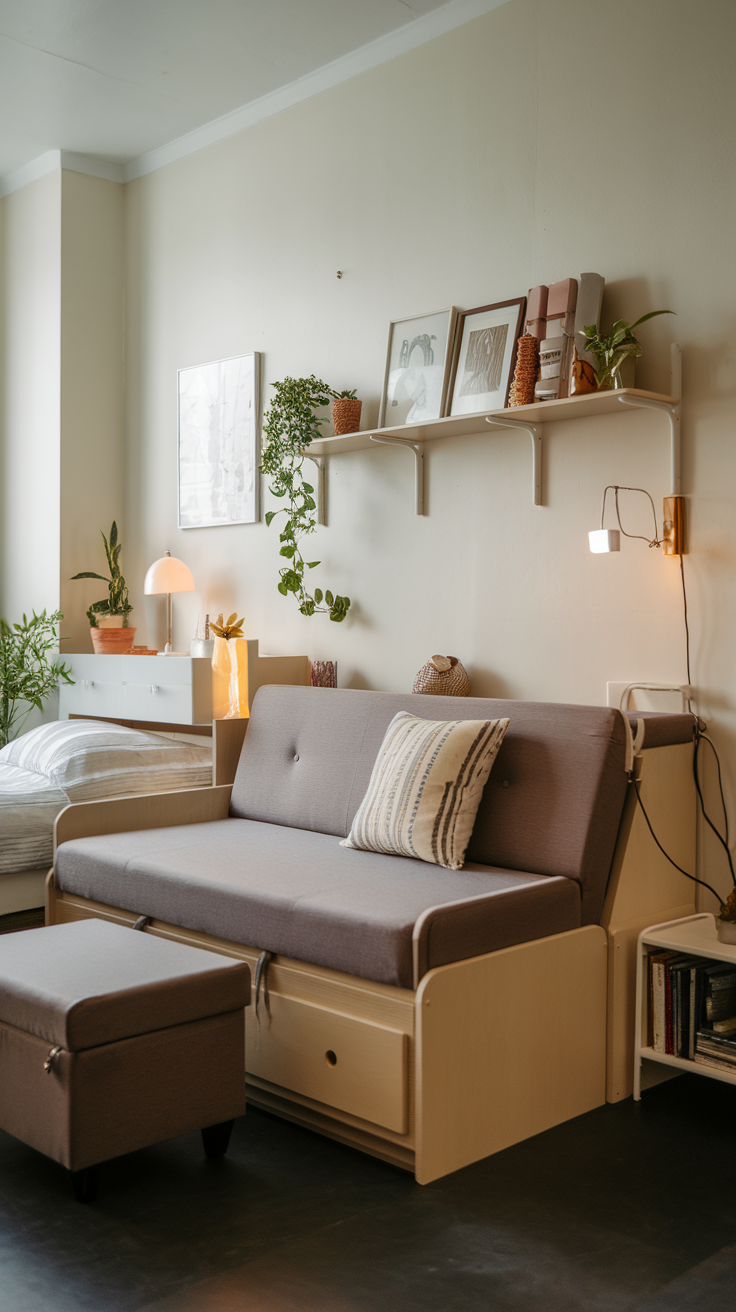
x=167 y=574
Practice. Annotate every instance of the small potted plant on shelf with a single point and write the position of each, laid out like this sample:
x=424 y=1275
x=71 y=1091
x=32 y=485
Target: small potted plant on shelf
x=108 y=618
x=726 y=919
x=289 y=428
x=29 y=672
x=346 y=410
x=618 y=351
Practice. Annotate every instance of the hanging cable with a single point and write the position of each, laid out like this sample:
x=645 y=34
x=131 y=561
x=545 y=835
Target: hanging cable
x=666 y=854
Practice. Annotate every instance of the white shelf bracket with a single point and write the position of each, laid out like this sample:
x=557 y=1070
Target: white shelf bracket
x=673 y=414
x=535 y=432
x=418 y=465
x=321 y=463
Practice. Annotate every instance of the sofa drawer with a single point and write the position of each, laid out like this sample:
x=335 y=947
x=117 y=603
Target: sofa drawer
x=351 y=1064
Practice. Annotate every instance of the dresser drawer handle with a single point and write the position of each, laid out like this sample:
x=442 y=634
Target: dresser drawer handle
x=155 y=687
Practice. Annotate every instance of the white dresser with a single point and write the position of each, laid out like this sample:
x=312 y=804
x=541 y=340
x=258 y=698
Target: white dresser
x=160 y=689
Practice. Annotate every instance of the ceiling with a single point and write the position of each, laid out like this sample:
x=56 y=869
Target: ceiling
x=117 y=79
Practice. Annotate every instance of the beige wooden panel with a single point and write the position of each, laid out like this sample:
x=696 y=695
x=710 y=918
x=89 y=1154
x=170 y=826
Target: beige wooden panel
x=508 y=1045
x=21 y=890
x=333 y=1058
x=643 y=882
x=120 y=815
x=228 y=739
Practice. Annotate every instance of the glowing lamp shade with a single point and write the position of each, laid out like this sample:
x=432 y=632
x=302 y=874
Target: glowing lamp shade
x=604 y=539
x=167 y=574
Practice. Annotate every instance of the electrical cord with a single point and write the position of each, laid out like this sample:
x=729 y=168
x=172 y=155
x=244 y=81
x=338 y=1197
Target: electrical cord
x=666 y=854
x=699 y=735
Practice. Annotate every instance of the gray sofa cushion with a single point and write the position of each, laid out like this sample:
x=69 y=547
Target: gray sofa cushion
x=552 y=805
x=299 y=894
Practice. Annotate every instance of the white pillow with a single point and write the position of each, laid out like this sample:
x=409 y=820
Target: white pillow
x=88 y=759
x=426 y=787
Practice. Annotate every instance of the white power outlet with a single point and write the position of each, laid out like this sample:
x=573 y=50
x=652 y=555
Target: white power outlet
x=651 y=697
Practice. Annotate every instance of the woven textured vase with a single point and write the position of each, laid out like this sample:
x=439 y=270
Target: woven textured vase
x=346 y=415
x=443 y=676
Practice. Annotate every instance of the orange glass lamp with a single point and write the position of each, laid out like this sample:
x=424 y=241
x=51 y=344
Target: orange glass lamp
x=168 y=574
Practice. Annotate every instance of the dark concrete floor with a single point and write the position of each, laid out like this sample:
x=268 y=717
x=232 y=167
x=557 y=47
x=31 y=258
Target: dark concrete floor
x=629 y=1207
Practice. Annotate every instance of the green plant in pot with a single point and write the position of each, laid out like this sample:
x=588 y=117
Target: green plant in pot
x=29 y=672
x=108 y=617
x=290 y=426
x=614 y=350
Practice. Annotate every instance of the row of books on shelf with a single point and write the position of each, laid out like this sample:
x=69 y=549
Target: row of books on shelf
x=692 y=1008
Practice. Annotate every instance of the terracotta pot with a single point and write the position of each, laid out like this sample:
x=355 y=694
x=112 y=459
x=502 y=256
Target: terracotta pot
x=346 y=415
x=112 y=642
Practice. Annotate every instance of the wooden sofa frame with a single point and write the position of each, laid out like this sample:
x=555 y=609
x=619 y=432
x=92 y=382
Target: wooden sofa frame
x=482 y=1053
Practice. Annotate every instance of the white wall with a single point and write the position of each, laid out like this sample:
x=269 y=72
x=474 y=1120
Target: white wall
x=91 y=391
x=61 y=361
x=30 y=359
x=533 y=143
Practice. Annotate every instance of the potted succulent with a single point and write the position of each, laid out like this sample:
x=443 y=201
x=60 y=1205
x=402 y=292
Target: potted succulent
x=346 y=410
x=289 y=428
x=618 y=351
x=108 y=618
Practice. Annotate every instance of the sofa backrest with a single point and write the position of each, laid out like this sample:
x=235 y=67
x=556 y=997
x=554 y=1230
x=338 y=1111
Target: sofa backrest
x=552 y=805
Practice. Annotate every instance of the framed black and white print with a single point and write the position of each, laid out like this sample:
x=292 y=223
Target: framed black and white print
x=484 y=357
x=417 y=368
x=219 y=442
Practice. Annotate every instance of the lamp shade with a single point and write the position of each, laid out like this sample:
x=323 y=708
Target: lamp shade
x=604 y=539
x=167 y=574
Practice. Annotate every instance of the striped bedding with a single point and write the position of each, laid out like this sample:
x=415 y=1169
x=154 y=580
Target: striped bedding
x=80 y=761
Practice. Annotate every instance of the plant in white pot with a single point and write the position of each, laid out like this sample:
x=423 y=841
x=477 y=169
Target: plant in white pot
x=108 y=618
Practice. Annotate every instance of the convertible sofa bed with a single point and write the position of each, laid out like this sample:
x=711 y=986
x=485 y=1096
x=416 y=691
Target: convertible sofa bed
x=428 y=1016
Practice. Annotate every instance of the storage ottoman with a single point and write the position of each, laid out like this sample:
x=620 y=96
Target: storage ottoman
x=112 y=1040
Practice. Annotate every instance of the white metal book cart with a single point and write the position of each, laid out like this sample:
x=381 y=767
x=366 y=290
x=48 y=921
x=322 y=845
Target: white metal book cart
x=696 y=936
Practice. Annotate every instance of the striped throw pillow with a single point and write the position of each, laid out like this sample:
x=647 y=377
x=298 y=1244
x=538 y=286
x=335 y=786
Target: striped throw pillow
x=426 y=787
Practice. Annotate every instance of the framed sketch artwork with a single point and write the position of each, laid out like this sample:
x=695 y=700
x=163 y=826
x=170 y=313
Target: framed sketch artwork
x=219 y=419
x=417 y=369
x=484 y=357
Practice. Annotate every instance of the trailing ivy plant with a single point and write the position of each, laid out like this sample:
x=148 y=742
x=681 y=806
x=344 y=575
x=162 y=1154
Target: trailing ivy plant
x=289 y=428
x=116 y=603
x=28 y=671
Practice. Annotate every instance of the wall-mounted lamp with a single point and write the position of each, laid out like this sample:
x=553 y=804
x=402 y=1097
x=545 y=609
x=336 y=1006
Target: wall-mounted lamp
x=672 y=541
x=168 y=574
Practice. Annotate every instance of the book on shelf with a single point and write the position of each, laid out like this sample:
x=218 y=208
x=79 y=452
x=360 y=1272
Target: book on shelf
x=692 y=1007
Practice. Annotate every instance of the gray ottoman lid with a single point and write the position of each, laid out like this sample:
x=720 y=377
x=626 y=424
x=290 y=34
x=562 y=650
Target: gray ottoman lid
x=90 y=982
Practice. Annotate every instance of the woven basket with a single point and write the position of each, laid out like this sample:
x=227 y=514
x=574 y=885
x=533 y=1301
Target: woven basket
x=346 y=415
x=443 y=676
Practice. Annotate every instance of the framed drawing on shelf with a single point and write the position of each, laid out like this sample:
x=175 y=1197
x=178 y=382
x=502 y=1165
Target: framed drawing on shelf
x=417 y=368
x=484 y=356
x=219 y=432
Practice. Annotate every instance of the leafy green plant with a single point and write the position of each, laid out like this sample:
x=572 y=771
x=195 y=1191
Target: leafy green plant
x=28 y=673
x=345 y=396
x=116 y=603
x=290 y=426
x=611 y=351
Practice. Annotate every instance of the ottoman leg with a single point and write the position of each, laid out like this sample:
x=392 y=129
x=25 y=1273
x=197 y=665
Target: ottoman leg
x=216 y=1138
x=84 y=1184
